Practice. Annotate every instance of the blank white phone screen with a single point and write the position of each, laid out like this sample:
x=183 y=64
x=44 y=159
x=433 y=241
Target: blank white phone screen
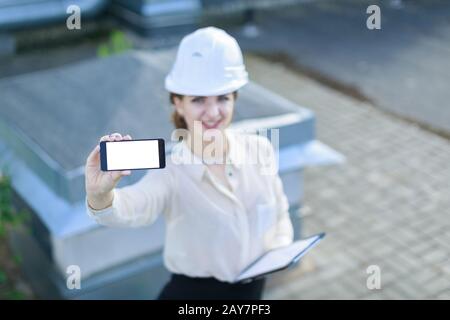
x=132 y=155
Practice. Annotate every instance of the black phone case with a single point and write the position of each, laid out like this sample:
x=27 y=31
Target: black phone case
x=104 y=160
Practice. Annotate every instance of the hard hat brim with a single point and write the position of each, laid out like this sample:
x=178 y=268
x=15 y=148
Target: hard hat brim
x=229 y=87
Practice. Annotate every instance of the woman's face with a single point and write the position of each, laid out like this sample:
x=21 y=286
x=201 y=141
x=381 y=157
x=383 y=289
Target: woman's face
x=213 y=112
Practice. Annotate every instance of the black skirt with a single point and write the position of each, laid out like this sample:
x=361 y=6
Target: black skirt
x=181 y=287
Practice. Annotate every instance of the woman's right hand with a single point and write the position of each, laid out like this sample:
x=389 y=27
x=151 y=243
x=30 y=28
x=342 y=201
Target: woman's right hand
x=100 y=184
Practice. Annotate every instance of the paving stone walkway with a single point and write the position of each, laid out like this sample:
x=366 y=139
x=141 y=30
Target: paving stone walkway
x=389 y=205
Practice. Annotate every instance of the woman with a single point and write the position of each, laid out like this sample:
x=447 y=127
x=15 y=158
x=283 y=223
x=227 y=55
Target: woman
x=222 y=209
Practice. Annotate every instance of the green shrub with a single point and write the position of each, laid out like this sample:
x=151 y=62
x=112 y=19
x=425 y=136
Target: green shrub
x=117 y=43
x=10 y=218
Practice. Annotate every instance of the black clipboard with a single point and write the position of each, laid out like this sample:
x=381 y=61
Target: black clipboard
x=278 y=259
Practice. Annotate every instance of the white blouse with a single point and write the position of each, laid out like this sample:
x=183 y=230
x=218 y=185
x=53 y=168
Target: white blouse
x=210 y=230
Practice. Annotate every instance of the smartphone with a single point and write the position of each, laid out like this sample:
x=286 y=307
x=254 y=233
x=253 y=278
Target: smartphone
x=137 y=154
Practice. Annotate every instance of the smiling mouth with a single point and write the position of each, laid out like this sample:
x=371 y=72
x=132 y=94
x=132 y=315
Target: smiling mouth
x=211 y=125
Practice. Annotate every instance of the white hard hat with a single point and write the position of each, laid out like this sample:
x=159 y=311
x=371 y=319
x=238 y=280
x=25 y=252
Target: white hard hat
x=209 y=63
